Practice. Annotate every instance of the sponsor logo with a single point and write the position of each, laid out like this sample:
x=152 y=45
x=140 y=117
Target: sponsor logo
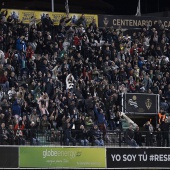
x=51 y=153
x=133 y=101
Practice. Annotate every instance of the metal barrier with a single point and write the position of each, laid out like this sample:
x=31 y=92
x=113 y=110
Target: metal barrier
x=113 y=138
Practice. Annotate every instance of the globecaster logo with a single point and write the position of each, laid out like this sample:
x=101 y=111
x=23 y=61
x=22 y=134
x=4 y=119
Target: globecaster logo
x=57 y=153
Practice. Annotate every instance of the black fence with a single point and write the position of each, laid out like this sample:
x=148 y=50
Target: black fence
x=112 y=138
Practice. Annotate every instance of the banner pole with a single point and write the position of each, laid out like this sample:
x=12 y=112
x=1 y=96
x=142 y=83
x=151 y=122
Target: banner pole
x=52 y=5
x=67 y=7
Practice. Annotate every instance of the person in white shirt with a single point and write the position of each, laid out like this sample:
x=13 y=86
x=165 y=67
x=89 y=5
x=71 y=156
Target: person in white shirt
x=70 y=81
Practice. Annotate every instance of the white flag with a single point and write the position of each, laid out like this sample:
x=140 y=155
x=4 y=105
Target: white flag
x=138 y=13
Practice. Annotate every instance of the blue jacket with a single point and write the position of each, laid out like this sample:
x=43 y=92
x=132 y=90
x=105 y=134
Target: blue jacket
x=100 y=116
x=16 y=109
x=20 y=45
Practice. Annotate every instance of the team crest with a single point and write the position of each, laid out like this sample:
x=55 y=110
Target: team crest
x=148 y=103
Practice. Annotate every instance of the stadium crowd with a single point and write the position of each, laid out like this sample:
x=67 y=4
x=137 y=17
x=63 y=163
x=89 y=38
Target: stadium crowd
x=71 y=76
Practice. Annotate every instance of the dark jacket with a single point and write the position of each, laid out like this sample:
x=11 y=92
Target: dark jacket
x=82 y=134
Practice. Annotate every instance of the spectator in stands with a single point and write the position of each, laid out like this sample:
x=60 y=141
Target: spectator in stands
x=138 y=136
x=43 y=103
x=149 y=133
x=136 y=62
x=4 y=81
x=158 y=136
x=3 y=134
x=82 y=136
x=68 y=134
x=12 y=80
x=34 y=116
x=45 y=124
x=82 y=20
x=20 y=44
x=47 y=23
x=11 y=135
x=96 y=136
x=147 y=83
x=155 y=88
x=164 y=126
x=111 y=119
x=101 y=119
x=34 y=140
x=16 y=109
x=129 y=136
x=19 y=128
x=94 y=24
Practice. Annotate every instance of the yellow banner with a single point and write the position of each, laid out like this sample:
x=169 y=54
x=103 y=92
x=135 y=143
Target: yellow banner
x=56 y=17
x=25 y=16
